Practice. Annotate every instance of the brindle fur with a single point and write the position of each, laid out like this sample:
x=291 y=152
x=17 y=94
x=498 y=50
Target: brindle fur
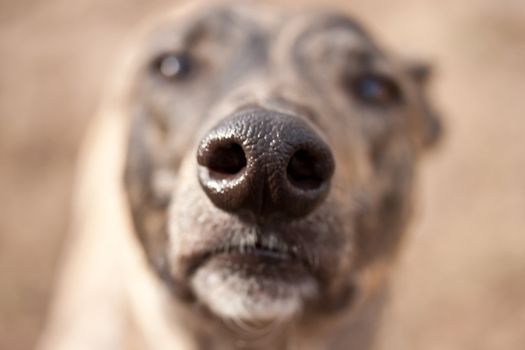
x=243 y=56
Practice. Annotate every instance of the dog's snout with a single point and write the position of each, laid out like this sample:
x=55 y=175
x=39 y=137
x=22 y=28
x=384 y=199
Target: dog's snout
x=265 y=163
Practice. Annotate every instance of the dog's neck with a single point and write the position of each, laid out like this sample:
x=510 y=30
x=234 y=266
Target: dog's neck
x=176 y=327
x=347 y=334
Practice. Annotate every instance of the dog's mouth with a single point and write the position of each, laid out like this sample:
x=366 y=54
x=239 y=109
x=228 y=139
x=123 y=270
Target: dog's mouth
x=259 y=250
x=263 y=254
x=263 y=279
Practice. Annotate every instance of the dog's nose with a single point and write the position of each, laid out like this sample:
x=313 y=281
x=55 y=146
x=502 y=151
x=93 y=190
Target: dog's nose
x=264 y=163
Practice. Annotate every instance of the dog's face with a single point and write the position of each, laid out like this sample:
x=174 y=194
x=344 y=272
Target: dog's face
x=271 y=160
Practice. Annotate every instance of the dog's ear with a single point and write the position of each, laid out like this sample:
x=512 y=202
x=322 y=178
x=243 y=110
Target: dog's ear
x=421 y=73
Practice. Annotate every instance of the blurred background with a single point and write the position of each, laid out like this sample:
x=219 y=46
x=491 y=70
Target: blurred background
x=461 y=279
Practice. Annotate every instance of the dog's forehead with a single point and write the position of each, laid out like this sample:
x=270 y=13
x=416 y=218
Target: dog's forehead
x=221 y=22
x=328 y=26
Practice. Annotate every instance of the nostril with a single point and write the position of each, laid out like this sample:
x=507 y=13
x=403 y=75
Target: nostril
x=226 y=159
x=305 y=170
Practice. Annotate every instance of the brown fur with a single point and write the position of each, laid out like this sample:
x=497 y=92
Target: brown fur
x=122 y=292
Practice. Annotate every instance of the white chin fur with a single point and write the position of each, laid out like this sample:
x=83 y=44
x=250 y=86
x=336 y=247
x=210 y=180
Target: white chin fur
x=252 y=299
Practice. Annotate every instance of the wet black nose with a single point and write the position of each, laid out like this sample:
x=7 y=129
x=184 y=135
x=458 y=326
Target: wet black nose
x=264 y=163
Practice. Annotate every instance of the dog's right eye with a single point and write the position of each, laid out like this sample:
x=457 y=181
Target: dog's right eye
x=374 y=89
x=173 y=65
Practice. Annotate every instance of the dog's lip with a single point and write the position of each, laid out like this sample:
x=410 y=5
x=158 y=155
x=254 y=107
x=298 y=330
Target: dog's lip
x=281 y=253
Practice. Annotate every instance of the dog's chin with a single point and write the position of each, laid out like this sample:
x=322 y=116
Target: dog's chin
x=254 y=289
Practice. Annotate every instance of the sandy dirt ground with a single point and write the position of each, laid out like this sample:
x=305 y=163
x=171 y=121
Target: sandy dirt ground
x=461 y=280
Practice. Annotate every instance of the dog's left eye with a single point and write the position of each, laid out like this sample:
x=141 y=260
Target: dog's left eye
x=375 y=89
x=173 y=65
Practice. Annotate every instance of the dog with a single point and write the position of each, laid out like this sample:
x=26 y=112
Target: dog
x=247 y=184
